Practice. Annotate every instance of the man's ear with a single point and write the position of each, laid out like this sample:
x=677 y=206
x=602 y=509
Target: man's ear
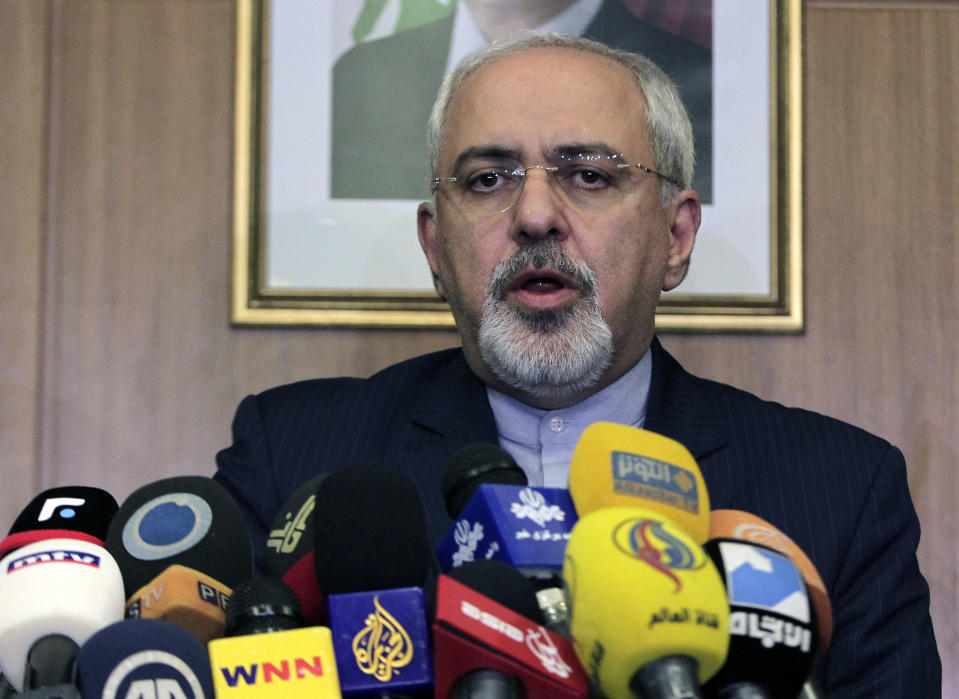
x=686 y=213
x=426 y=232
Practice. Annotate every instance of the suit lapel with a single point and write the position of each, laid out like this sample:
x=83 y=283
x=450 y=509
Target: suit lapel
x=451 y=412
x=679 y=408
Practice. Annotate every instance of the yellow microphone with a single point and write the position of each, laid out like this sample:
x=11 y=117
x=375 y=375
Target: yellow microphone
x=621 y=466
x=649 y=607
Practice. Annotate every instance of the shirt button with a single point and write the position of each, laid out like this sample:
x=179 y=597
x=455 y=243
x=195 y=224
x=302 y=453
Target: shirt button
x=557 y=424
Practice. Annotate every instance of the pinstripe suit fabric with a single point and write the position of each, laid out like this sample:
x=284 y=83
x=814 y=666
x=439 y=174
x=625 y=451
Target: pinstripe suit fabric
x=838 y=491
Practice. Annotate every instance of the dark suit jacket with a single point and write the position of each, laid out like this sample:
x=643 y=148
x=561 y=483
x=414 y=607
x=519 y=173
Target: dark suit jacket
x=383 y=92
x=840 y=493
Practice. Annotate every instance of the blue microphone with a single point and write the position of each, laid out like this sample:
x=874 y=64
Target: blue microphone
x=144 y=658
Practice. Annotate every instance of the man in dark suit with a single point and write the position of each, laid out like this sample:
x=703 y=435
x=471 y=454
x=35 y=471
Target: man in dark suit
x=562 y=208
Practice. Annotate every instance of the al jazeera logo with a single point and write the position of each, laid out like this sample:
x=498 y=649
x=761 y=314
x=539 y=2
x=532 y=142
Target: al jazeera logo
x=635 y=474
x=383 y=646
x=660 y=545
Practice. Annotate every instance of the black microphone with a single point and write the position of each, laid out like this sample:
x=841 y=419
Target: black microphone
x=262 y=605
x=372 y=561
x=496 y=515
x=267 y=651
x=289 y=553
x=771 y=623
x=182 y=544
x=473 y=466
x=67 y=512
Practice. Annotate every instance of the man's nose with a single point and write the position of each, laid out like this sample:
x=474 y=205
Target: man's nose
x=539 y=210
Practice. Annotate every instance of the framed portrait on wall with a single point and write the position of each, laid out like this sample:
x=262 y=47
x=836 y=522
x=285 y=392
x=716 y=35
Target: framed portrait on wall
x=332 y=101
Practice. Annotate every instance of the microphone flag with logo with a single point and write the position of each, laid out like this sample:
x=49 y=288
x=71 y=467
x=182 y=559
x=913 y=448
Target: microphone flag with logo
x=182 y=544
x=289 y=553
x=484 y=648
x=520 y=525
x=372 y=560
x=67 y=512
x=648 y=607
x=737 y=524
x=266 y=653
x=55 y=587
x=144 y=658
x=621 y=466
x=770 y=623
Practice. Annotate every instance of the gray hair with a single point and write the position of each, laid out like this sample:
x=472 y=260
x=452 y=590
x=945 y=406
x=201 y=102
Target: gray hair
x=668 y=129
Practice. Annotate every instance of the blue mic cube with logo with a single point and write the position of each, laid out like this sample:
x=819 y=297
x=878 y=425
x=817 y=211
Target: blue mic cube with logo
x=524 y=526
x=381 y=641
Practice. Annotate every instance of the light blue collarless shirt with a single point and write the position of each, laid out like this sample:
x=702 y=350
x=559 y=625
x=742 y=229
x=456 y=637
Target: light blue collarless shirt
x=543 y=441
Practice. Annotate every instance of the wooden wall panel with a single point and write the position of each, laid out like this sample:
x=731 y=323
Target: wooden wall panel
x=115 y=254
x=24 y=45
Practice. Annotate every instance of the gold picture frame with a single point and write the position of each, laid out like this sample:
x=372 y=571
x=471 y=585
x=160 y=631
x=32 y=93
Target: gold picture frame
x=258 y=300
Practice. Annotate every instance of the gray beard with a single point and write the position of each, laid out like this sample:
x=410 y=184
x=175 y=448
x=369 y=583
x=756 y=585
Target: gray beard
x=553 y=354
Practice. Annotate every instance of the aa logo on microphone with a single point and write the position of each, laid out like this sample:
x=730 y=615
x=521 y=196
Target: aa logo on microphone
x=153 y=673
x=167 y=525
x=662 y=546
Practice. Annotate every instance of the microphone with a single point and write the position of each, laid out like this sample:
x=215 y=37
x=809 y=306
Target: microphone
x=68 y=512
x=183 y=596
x=289 y=553
x=372 y=560
x=144 y=658
x=524 y=526
x=736 y=524
x=181 y=544
x=621 y=466
x=649 y=610
x=54 y=594
x=266 y=651
x=487 y=650
x=770 y=622
x=473 y=466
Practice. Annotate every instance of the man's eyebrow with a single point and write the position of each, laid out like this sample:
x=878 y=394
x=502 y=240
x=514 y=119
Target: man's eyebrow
x=565 y=151
x=495 y=152
x=571 y=150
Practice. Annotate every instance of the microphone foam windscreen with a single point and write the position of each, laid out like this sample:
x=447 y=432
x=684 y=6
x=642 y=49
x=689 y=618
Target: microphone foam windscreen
x=74 y=511
x=289 y=551
x=55 y=586
x=144 y=658
x=291 y=535
x=473 y=466
x=186 y=520
x=369 y=531
x=642 y=589
x=262 y=605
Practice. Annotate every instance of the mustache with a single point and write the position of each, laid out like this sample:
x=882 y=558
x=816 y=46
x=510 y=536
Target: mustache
x=539 y=254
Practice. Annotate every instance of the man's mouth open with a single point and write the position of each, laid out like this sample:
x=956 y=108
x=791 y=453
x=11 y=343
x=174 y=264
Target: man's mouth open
x=542 y=289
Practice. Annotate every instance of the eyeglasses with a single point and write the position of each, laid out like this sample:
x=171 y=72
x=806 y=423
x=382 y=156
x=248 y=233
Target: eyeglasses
x=588 y=181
